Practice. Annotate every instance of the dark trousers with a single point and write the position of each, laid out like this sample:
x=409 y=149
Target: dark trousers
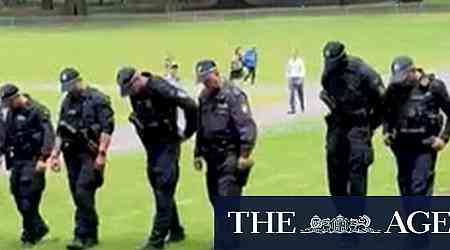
x=163 y=175
x=416 y=169
x=27 y=187
x=84 y=180
x=349 y=155
x=250 y=74
x=222 y=177
x=296 y=90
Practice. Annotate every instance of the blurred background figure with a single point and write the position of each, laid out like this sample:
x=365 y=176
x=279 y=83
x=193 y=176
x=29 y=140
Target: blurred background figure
x=250 y=60
x=172 y=75
x=237 y=68
x=173 y=78
x=295 y=74
x=168 y=62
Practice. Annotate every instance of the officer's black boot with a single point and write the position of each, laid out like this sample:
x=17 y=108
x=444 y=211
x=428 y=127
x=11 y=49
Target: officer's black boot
x=177 y=236
x=27 y=240
x=152 y=245
x=176 y=233
x=156 y=241
x=76 y=244
x=81 y=244
x=90 y=242
x=40 y=233
x=26 y=245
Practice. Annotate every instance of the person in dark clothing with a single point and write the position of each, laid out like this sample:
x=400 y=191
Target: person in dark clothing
x=237 y=67
x=353 y=92
x=27 y=143
x=226 y=135
x=155 y=104
x=414 y=126
x=84 y=131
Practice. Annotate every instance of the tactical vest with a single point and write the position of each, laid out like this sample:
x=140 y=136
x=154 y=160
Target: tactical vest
x=216 y=121
x=158 y=117
x=24 y=132
x=418 y=114
x=350 y=94
x=81 y=114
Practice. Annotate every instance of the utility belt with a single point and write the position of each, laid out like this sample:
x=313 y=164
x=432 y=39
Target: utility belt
x=24 y=147
x=418 y=131
x=160 y=128
x=415 y=136
x=218 y=146
x=14 y=155
x=359 y=118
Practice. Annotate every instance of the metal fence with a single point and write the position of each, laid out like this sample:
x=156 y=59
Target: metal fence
x=223 y=15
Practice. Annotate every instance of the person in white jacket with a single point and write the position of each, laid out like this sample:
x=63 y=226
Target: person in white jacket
x=295 y=74
x=173 y=78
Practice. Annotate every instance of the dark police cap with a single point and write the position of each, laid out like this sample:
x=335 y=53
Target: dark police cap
x=8 y=90
x=204 y=68
x=7 y=93
x=68 y=77
x=334 y=51
x=400 y=68
x=124 y=77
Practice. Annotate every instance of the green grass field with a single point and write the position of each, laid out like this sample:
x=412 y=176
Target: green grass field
x=34 y=57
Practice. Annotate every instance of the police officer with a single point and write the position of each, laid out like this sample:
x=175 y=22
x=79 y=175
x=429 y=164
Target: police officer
x=155 y=102
x=414 y=126
x=29 y=139
x=226 y=135
x=353 y=91
x=84 y=131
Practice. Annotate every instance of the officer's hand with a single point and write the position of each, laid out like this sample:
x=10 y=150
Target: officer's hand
x=41 y=166
x=245 y=163
x=54 y=162
x=100 y=161
x=387 y=139
x=198 y=163
x=438 y=144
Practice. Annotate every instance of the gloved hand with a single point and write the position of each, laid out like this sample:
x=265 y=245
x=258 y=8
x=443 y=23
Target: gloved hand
x=199 y=163
x=54 y=162
x=245 y=163
x=438 y=144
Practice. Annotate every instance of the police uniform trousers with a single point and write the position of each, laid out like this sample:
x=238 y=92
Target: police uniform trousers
x=163 y=175
x=223 y=177
x=27 y=187
x=84 y=181
x=416 y=169
x=349 y=155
